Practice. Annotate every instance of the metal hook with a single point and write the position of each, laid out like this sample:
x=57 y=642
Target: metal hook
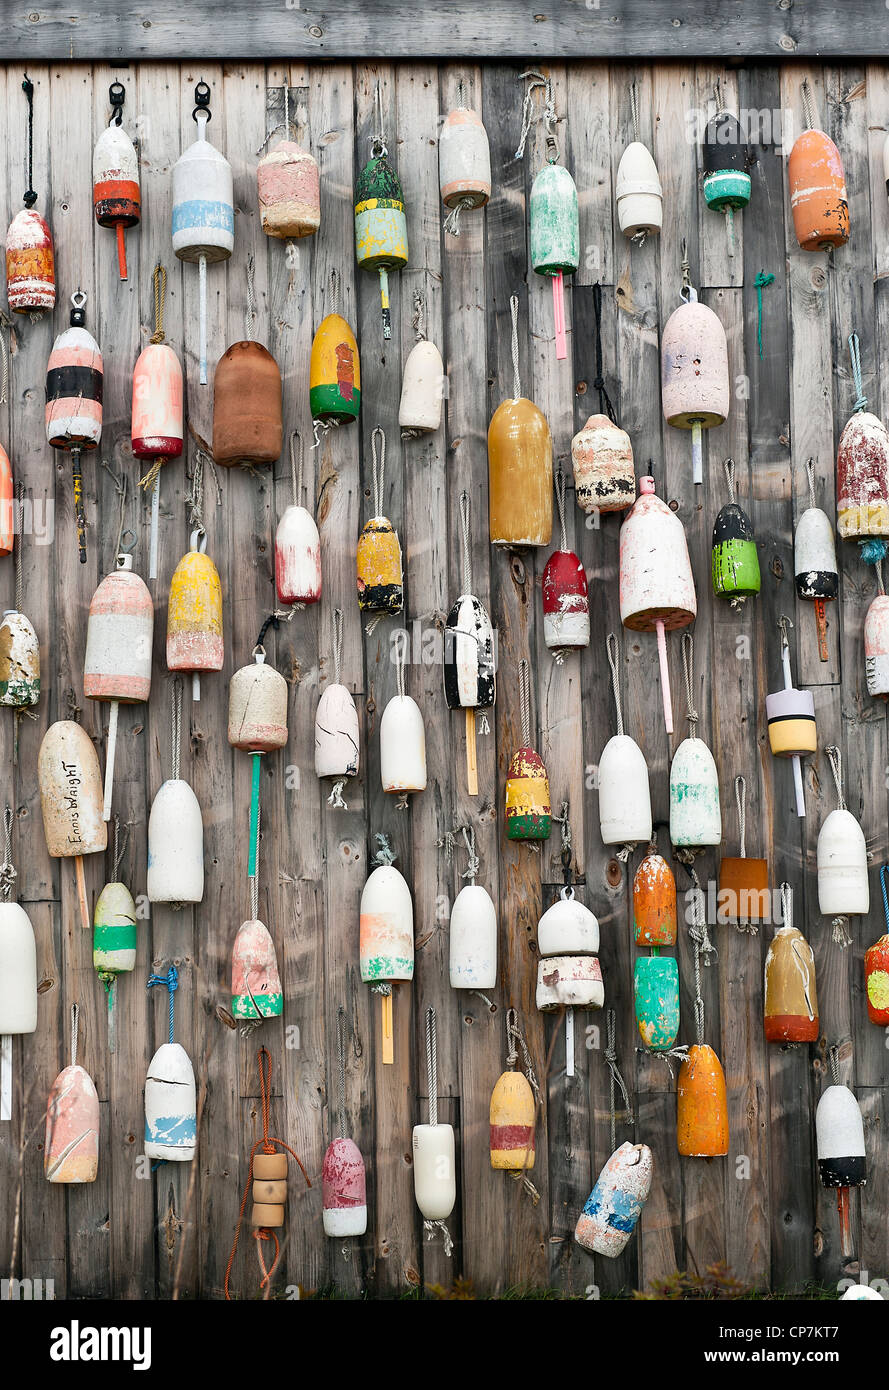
x=202 y=101
x=117 y=94
x=78 y=299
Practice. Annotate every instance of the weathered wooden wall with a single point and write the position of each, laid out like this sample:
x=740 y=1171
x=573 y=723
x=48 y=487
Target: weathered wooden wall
x=134 y=1234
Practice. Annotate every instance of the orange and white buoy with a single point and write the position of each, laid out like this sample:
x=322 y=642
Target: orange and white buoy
x=818 y=198
x=156 y=426
x=464 y=163
x=386 y=936
x=702 y=1106
x=117 y=200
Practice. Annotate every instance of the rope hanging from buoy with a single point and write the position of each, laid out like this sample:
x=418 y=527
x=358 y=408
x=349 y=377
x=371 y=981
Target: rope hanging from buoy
x=615 y=1080
x=432 y=1227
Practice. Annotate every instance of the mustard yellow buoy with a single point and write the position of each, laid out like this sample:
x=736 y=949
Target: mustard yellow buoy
x=378 y=560
x=194 y=615
x=528 y=809
x=520 y=467
x=334 y=371
x=512 y=1123
x=702 y=1108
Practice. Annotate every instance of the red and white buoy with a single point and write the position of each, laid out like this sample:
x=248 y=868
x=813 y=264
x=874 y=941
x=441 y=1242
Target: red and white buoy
x=30 y=259
x=694 y=371
x=566 y=602
x=117 y=200
x=343 y=1179
x=297 y=543
x=74 y=377
x=156 y=428
x=464 y=163
x=657 y=588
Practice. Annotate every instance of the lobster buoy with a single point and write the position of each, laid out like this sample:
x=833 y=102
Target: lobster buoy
x=194 y=614
x=256 y=984
x=71 y=1142
x=511 y=1119
x=71 y=799
x=336 y=733
x=175 y=845
x=569 y=982
x=380 y=224
x=469 y=674
x=402 y=747
x=791 y=719
x=435 y=1171
x=624 y=793
x=656 y=998
x=386 y=932
x=694 y=373
x=114 y=931
x=657 y=588
x=30 y=264
x=876 y=976
x=735 y=564
x=726 y=180
x=247 y=420
x=464 y=165
x=19 y=661
x=842 y=866
x=695 y=816
x=743 y=883
x=289 y=187
x=520 y=460
x=203 y=209
x=74 y=384
x=818 y=198
x=170 y=1105
x=815 y=566
x=637 y=190
x=604 y=474
x=297 y=557
x=422 y=390
x=18 y=971
x=555 y=237
x=842 y=1157
x=568 y=928
x=343 y=1190
x=117 y=200
x=7 y=516
x=701 y=1105
x=654 y=902
x=472 y=960
x=156 y=429
x=334 y=372
x=566 y=603
x=380 y=576
x=257 y=707
x=528 y=810
x=791 y=999
x=615 y=1204
x=863 y=478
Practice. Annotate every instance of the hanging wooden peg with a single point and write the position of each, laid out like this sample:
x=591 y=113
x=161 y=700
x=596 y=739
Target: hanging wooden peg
x=74 y=377
x=30 y=259
x=815 y=562
x=469 y=668
x=386 y=936
x=637 y=189
x=71 y=1140
x=434 y=1154
x=694 y=369
x=343 y=1177
x=156 y=429
x=18 y=970
x=842 y=1160
x=841 y=856
x=743 y=883
x=380 y=223
x=117 y=200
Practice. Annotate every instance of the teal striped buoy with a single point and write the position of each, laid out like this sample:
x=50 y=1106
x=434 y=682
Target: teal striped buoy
x=726 y=180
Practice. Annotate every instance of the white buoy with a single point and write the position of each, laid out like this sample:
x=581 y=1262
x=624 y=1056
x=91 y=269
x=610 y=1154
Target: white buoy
x=336 y=733
x=434 y=1152
x=18 y=990
x=386 y=938
x=842 y=866
x=842 y=1157
x=422 y=390
x=568 y=928
x=622 y=777
x=175 y=845
x=402 y=747
x=170 y=1106
x=473 y=939
x=640 y=200
x=572 y=982
x=695 y=817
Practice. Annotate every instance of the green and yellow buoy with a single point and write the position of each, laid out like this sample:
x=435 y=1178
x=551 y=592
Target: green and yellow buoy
x=380 y=224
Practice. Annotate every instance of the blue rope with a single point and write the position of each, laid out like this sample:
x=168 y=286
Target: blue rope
x=855 y=354
x=171 y=980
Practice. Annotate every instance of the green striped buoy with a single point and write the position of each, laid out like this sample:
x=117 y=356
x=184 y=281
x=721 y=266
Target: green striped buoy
x=725 y=159
x=735 y=561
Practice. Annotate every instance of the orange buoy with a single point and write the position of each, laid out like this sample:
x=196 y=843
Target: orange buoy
x=71 y=1139
x=520 y=467
x=7 y=518
x=743 y=883
x=818 y=198
x=654 y=901
x=701 y=1105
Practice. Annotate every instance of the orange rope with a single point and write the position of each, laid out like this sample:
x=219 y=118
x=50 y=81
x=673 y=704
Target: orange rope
x=268 y=1145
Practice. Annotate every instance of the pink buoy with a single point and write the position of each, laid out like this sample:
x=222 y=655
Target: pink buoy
x=71 y=1147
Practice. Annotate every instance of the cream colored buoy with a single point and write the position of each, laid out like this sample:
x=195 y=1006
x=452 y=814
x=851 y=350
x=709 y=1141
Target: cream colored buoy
x=175 y=832
x=422 y=386
x=71 y=800
x=841 y=856
x=638 y=193
x=170 y=1105
x=615 y=1204
x=604 y=473
x=257 y=707
x=568 y=928
x=18 y=973
x=568 y=972
x=297 y=544
x=386 y=937
x=71 y=1138
x=434 y=1153
x=472 y=934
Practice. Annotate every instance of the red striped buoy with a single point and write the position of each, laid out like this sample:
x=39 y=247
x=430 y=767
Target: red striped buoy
x=30 y=260
x=74 y=385
x=117 y=200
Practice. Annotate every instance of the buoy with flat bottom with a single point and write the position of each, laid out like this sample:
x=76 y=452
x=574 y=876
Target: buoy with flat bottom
x=386 y=938
x=815 y=563
x=117 y=200
x=614 y=1206
x=170 y=1095
x=694 y=373
x=71 y=800
x=74 y=378
x=114 y=943
x=71 y=1138
x=469 y=671
x=842 y=1161
x=725 y=159
x=30 y=260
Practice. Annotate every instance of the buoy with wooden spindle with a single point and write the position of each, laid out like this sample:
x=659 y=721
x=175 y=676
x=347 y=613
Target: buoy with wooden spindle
x=464 y=162
x=288 y=184
x=74 y=377
x=334 y=367
x=434 y=1153
x=876 y=965
x=380 y=223
x=791 y=998
x=655 y=977
x=386 y=936
x=694 y=371
x=117 y=663
x=735 y=564
x=156 y=427
x=528 y=809
x=815 y=562
x=637 y=188
x=695 y=815
x=472 y=933
x=343 y=1177
x=336 y=726
x=613 y=1208
x=842 y=1157
x=554 y=230
x=743 y=883
x=117 y=200
x=114 y=935
x=171 y=1121
x=657 y=588
x=622 y=778
x=841 y=857
x=566 y=600
x=569 y=975
x=18 y=971
x=71 y=800
x=402 y=736
x=520 y=465
x=423 y=382
x=513 y=1109
x=175 y=830
x=203 y=210
x=469 y=668
x=194 y=615
x=726 y=159
x=863 y=470
x=30 y=259
x=818 y=199
x=604 y=474
x=380 y=575
x=791 y=720
x=297 y=543
x=71 y=1137
x=247 y=398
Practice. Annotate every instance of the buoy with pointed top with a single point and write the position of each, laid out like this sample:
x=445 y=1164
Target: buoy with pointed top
x=464 y=164
x=194 y=615
x=380 y=576
x=842 y=1157
x=604 y=473
x=694 y=373
x=654 y=901
x=175 y=831
x=863 y=469
x=701 y=1105
x=71 y=1136
x=380 y=223
x=726 y=180
x=71 y=799
x=655 y=977
x=74 y=379
x=657 y=588
x=512 y=1111
x=469 y=670
x=818 y=199
x=117 y=200
x=30 y=259
x=791 y=719
x=791 y=998
x=203 y=209
x=336 y=725
x=528 y=809
x=386 y=938
x=614 y=1206
x=815 y=562
x=735 y=564
x=566 y=600
x=520 y=467
x=638 y=193
x=434 y=1151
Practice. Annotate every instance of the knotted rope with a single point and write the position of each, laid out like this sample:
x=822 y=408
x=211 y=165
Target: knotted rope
x=605 y=405
x=615 y=1080
x=432 y=1227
